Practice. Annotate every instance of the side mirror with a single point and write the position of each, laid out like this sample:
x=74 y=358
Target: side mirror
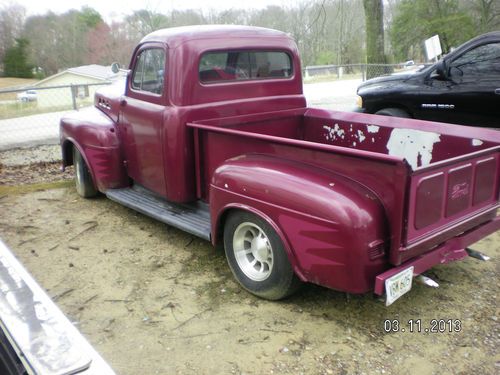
x=442 y=70
x=115 y=67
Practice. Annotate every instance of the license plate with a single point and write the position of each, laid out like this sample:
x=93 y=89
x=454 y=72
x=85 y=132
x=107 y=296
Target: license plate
x=397 y=285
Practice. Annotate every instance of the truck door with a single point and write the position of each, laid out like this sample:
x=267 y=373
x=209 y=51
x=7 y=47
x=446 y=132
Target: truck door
x=471 y=95
x=476 y=75
x=142 y=117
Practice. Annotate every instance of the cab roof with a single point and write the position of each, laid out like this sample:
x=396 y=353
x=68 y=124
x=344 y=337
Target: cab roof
x=175 y=36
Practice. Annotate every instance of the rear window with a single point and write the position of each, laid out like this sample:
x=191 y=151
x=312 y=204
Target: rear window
x=244 y=65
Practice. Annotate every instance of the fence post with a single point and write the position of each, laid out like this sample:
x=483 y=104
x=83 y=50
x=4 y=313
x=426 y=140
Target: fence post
x=73 y=96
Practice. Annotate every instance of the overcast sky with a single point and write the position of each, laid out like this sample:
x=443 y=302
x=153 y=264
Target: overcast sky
x=115 y=9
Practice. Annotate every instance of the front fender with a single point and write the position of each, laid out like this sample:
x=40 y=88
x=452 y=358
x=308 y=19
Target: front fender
x=334 y=228
x=96 y=136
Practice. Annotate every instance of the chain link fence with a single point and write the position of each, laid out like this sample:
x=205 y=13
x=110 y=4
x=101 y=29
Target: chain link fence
x=31 y=115
x=358 y=71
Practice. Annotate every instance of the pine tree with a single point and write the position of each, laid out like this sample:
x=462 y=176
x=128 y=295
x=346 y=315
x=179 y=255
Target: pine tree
x=16 y=60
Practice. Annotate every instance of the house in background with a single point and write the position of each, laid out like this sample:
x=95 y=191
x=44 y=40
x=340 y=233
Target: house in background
x=74 y=87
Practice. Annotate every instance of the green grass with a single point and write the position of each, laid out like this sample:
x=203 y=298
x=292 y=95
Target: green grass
x=29 y=188
x=9 y=82
x=20 y=109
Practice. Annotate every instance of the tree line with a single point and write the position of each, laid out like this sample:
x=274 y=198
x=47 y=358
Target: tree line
x=326 y=31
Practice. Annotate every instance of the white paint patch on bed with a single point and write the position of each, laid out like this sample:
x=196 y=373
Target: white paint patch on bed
x=477 y=142
x=361 y=136
x=413 y=145
x=372 y=128
x=333 y=133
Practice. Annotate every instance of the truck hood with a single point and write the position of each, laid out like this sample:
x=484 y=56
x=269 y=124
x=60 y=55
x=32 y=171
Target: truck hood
x=386 y=80
x=107 y=99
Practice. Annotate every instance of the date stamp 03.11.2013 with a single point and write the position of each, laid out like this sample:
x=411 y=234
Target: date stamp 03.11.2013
x=421 y=326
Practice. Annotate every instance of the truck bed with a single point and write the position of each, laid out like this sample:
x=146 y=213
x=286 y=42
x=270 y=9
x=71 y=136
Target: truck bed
x=434 y=183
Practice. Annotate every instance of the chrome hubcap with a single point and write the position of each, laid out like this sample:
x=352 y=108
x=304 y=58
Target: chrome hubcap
x=253 y=251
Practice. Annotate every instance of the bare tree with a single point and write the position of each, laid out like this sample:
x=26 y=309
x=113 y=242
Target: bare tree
x=486 y=14
x=374 y=19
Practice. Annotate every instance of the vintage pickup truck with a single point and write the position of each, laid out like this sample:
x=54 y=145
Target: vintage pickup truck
x=211 y=134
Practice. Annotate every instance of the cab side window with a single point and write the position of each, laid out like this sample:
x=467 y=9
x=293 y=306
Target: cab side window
x=483 y=61
x=149 y=71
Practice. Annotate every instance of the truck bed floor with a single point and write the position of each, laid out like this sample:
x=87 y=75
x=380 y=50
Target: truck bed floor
x=193 y=218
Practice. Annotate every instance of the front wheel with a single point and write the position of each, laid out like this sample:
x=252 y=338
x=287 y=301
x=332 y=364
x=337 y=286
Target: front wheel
x=83 y=179
x=257 y=257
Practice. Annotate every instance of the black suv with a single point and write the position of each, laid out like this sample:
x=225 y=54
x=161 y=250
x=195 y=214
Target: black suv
x=462 y=88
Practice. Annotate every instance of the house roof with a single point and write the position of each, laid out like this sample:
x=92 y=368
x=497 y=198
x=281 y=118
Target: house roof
x=99 y=72
x=94 y=71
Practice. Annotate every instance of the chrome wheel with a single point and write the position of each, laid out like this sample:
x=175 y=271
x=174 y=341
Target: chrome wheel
x=83 y=179
x=253 y=251
x=78 y=172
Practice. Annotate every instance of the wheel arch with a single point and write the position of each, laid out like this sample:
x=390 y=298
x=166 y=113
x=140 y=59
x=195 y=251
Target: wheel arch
x=67 y=148
x=67 y=152
x=227 y=210
x=97 y=138
x=389 y=104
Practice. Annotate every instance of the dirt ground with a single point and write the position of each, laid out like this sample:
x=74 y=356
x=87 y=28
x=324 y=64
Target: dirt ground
x=155 y=300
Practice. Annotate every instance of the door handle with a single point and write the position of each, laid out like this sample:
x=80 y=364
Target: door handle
x=497 y=91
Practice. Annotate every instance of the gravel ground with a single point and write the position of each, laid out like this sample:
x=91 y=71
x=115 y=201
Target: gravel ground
x=155 y=300
x=32 y=155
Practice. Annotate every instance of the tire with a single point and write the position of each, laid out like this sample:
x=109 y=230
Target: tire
x=394 y=112
x=83 y=179
x=257 y=257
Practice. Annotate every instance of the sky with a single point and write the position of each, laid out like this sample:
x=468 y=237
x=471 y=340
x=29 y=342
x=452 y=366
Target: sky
x=116 y=9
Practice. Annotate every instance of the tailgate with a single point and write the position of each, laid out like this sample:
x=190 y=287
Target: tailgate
x=449 y=198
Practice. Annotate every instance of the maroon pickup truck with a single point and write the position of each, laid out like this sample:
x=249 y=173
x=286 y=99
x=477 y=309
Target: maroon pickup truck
x=211 y=134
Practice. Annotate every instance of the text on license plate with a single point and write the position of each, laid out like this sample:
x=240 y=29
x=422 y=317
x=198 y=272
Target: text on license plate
x=397 y=285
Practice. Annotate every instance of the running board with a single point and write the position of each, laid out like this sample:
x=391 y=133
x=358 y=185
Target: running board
x=192 y=218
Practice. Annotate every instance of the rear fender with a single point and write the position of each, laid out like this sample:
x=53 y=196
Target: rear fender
x=334 y=230
x=96 y=136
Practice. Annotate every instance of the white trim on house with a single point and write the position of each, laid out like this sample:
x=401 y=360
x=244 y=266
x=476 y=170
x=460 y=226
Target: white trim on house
x=109 y=78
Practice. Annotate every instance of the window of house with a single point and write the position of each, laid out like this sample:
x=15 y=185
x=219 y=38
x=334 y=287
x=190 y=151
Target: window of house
x=149 y=71
x=82 y=91
x=244 y=65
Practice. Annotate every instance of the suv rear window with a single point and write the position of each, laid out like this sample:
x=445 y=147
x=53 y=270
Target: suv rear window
x=244 y=65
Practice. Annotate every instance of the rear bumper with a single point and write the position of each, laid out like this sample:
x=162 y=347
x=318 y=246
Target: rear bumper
x=451 y=250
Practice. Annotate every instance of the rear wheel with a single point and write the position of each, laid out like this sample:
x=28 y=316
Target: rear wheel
x=257 y=257
x=83 y=179
x=395 y=112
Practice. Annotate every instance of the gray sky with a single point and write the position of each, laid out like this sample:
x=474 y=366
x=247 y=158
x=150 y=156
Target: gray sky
x=115 y=9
